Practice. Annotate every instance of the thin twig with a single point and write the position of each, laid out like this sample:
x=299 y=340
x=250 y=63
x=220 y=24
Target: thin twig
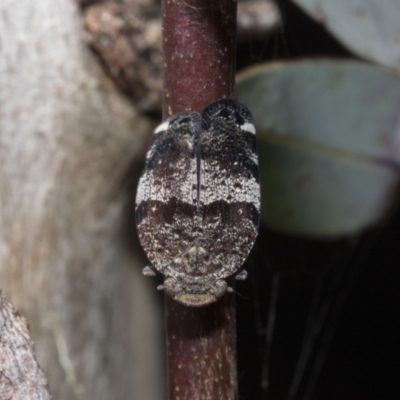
x=199 y=38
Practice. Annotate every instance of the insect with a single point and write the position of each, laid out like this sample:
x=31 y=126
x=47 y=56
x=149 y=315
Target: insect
x=198 y=201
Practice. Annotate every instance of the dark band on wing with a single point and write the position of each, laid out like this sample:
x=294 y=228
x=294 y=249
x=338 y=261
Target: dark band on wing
x=164 y=212
x=172 y=142
x=228 y=110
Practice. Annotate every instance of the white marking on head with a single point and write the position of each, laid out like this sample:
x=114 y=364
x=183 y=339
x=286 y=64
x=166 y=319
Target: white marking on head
x=162 y=127
x=248 y=127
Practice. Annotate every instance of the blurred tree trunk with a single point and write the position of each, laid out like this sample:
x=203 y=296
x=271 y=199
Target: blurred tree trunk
x=20 y=375
x=68 y=140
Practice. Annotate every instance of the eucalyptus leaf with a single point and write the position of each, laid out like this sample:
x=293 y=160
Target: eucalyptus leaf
x=329 y=144
x=369 y=28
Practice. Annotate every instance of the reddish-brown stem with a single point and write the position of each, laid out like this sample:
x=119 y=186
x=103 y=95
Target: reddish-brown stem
x=199 y=67
x=199 y=43
x=201 y=351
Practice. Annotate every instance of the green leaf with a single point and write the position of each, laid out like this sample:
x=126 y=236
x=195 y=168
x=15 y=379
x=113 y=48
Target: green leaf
x=370 y=28
x=329 y=144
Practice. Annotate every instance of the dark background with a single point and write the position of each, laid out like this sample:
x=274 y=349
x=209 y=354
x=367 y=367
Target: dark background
x=323 y=313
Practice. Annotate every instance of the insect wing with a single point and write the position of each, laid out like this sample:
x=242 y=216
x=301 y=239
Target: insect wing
x=230 y=191
x=167 y=187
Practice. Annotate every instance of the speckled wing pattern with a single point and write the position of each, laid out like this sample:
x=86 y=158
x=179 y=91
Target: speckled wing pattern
x=198 y=200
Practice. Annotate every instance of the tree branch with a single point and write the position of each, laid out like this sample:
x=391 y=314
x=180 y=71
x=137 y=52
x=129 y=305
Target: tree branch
x=20 y=375
x=199 y=41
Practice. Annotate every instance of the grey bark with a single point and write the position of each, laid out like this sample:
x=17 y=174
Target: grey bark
x=68 y=144
x=20 y=376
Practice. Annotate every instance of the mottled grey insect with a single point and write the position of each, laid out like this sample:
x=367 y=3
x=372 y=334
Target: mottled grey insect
x=198 y=201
